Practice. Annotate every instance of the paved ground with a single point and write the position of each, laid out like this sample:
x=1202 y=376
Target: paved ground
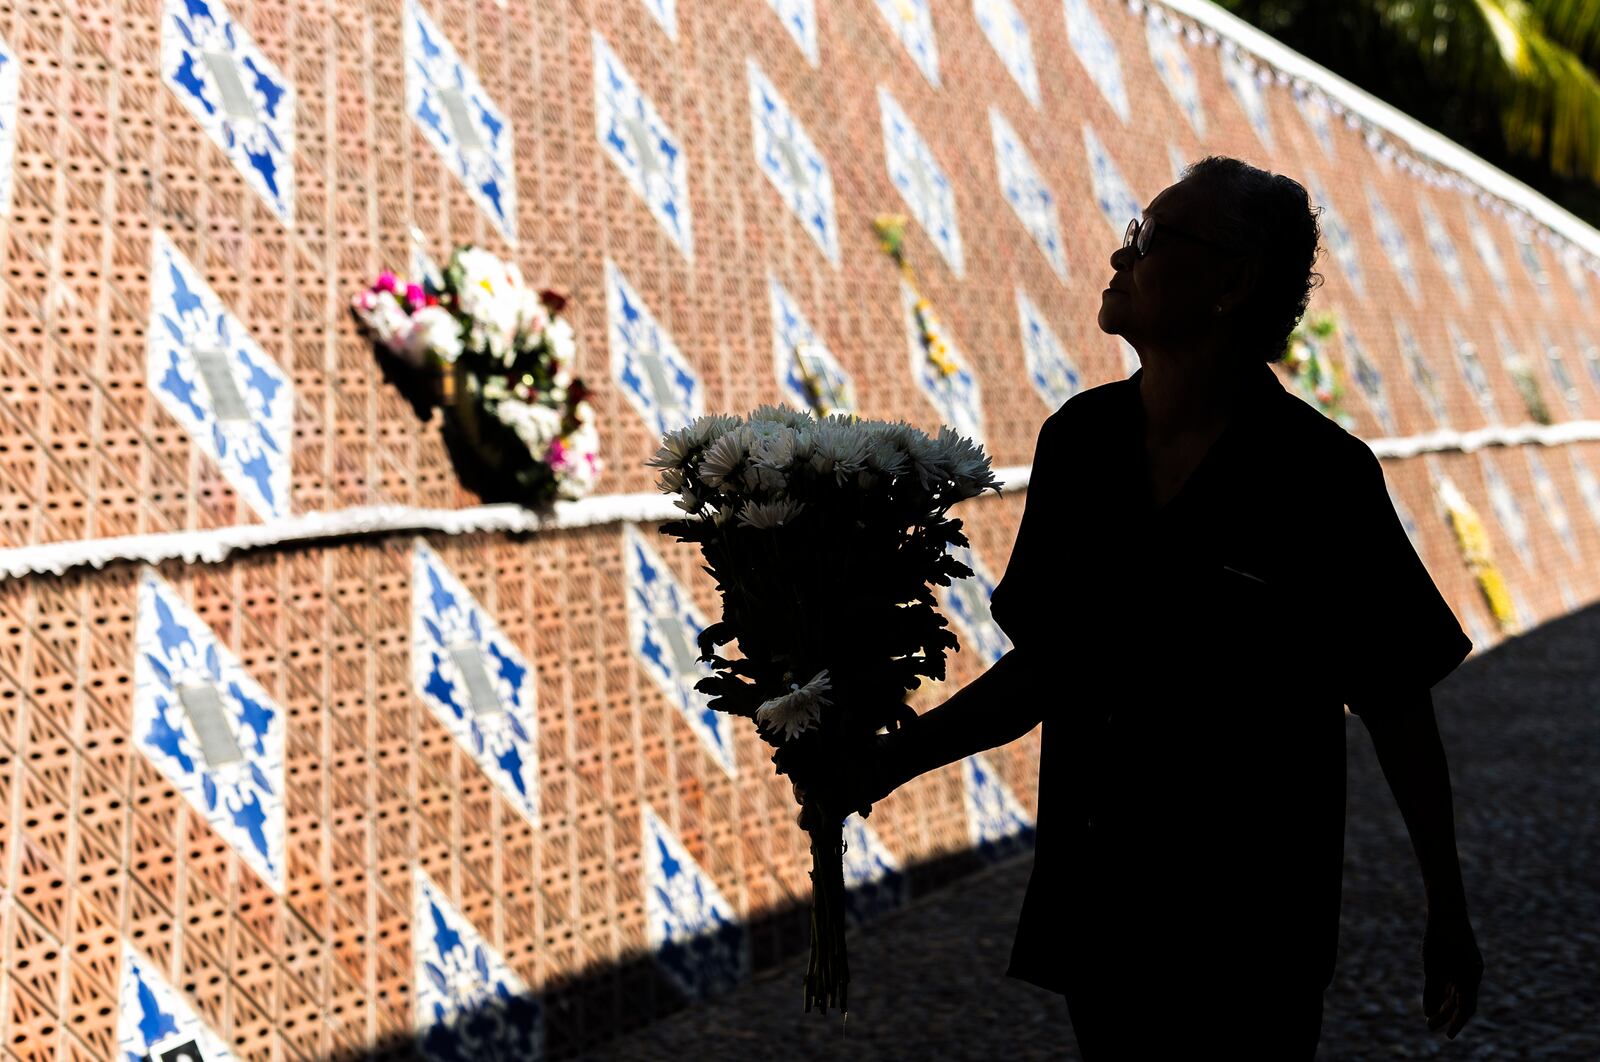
x=1521 y=728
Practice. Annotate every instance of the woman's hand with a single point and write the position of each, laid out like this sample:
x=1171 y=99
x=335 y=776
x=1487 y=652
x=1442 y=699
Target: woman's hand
x=861 y=779
x=1451 y=970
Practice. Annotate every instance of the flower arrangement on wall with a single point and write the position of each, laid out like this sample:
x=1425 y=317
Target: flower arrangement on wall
x=1475 y=551
x=1311 y=369
x=1528 y=388
x=891 y=230
x=496 y=356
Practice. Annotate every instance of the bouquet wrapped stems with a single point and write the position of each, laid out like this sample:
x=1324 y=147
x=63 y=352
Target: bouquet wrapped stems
x=827 y=979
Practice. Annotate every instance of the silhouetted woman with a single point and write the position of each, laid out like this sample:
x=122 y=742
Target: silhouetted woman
x=1206 y=572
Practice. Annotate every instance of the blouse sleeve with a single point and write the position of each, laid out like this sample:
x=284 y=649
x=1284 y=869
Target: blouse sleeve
x=1394 y=632
x=1014 y=603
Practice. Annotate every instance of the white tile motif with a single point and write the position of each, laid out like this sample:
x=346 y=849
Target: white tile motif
x=1369 y=380
x=792 y=163
x=798 y=353
x=206 y=370
x=1098 y=53
x=1570 y=257
x=1472 y=371
x=1313 y=108
x=799 y=18
x=956 y=397
x=1555 y=510
x=476 y=682
x=1423 y=380
x=966 y=602
x=1555 y=358
x=470 y=1003
x=1248 y=91
x=874 y=880
x=999 y=825
x=1171 y=58
x=1030 y=197
x=466 y=127
x=1007 y=32
x=9 y=77
x=665 y=12
x=1393 y=241
x=1588 y=484
x=1337 y=236
x=911 y=21
x=209 y=728
x=155 y=1022
x=1050 y=368
x=1488 y=253
x=1117 y=203
x=645 y=362
x=635 y=137
x=1532 y=262
x=695 y=934
x=920 y=179
x=663 y=628
x=1407 y=524
x=1444 y=250
x=1506 y=509
x=1590 y=352
x=239 y=97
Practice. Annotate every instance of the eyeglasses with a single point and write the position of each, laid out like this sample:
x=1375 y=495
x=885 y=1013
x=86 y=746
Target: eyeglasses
x=1141 y=231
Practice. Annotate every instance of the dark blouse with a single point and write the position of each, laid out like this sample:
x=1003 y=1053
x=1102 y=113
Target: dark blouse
x=1194 y=661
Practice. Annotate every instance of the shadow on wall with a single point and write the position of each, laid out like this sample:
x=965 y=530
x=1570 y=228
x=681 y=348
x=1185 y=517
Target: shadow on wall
x=598 y=1005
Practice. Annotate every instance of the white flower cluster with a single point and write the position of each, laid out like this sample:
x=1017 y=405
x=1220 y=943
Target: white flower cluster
x=501 y=307
x=757 y=471
x=797 y=710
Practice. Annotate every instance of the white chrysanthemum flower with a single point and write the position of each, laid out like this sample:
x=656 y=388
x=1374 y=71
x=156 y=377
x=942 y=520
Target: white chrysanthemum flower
x=721 y=458
x=563 y=343
x=763 y=478
x=676 y=446
x=722 y=514
x=534 y=423
x=690 y=502
x=434 y=330
x=796 y=710
x=769 y=514
x=776 y=449
x=671 y=481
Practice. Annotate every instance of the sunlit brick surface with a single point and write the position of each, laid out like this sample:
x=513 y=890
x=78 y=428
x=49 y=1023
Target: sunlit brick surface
x=125 y=912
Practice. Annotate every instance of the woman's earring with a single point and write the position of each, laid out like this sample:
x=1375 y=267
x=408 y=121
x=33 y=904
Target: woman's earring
x=1217 y=308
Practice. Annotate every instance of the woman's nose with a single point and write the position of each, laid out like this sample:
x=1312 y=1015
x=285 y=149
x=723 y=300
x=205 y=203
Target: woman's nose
x=1122 y=258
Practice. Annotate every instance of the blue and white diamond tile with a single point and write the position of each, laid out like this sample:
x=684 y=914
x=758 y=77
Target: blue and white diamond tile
x=1393 y=241
x=1506 y=510
x=464 y=125
x=1532 y=261
x=1556 y=360
x=1313 y=108
x=1000 y=827
x=1030 y=197
x=695 y=934
x=242 y=101
x=1423 y=380
x=663 y=631
x=1472 y=371
x=874 y=881
x=799 y=18
x=957 y=397
x=1444 y=250
x=1175 y=158
x=208 y=727
x=1570 y=256
x=1130 y=356
x=1248 y=91
x=471 y=1005
x=1171 y=59
x=206 y=370
x=9 y=77
x=1050 y=369
x=1588 y=483
x=155 y=1022
x=967 y=602
x=474 y=680
x=1407 y=524
x=1489 y=253
x=911 y=21
x=1369 y=381
x=665 y=12
x=635 y=137
x=1117 y=203
x=1555 y=510
x=809 y=376
x=1007 y=32
x=792 y=163
x=1338 y=237
x=1098 y=53
x=645 y=362
x=920 y=179
x=1482 y=636
x=1591 y=358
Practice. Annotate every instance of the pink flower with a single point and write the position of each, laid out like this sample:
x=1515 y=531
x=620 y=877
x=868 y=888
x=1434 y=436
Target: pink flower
x=415 y=295
x=386 y=282
x=557 y=454
x=365 y=302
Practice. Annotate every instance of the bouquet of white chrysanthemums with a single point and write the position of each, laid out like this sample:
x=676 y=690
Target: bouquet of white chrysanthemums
x=822 y=536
